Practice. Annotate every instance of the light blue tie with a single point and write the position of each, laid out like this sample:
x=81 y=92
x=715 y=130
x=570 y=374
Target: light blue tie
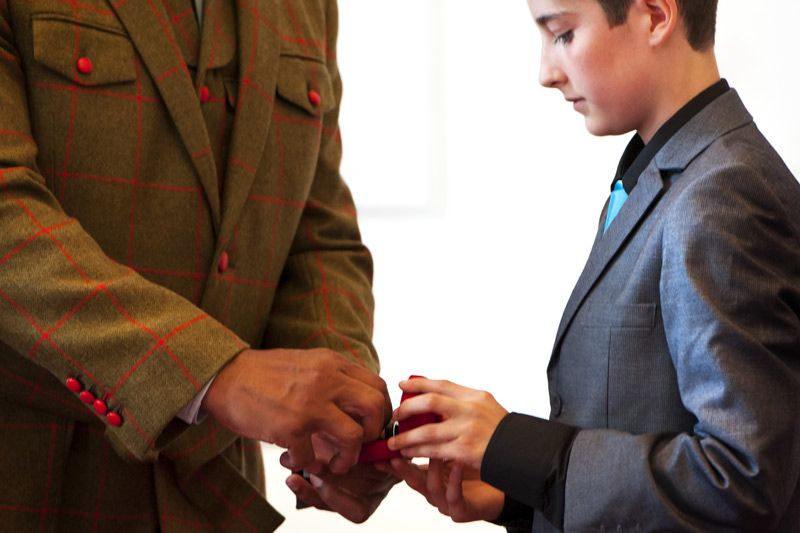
x=618 y=197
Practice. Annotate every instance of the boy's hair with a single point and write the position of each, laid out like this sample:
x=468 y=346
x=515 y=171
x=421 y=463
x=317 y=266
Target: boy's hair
x=699 y=17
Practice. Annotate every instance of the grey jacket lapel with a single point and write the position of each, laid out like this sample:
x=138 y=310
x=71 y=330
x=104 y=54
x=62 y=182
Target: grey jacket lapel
x=720 y=117
x=606 y=246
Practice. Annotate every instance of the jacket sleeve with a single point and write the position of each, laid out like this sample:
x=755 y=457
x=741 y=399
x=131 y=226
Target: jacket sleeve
x=324 y=298
x=68 y=308
x=730 y=295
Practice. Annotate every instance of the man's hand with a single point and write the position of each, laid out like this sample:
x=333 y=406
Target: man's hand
x=455 y=490
x=284 y=396
x=354 y=495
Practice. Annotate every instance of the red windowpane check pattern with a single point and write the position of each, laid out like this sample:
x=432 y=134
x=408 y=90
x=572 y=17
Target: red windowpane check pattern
x=125 y=197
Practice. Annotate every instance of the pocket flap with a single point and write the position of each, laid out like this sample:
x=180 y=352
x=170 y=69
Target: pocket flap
x=111 y=57
x=618 y=316
x=300 y=78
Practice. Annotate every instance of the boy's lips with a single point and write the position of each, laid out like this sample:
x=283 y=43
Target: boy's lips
x=577 y=103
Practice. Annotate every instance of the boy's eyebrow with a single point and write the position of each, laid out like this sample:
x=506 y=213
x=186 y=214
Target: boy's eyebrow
x=544 y=19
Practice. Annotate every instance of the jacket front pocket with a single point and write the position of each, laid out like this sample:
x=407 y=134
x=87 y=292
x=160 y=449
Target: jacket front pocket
x=84 y=54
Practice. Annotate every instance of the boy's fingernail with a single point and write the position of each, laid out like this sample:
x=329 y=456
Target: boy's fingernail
x=316 y=482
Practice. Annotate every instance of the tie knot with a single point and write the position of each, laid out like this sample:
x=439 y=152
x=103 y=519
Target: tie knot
x=618 y=197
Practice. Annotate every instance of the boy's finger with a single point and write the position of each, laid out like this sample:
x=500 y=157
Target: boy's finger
x=414 y=476
x=427 y=434
x=455 y=493
x=426 y=403
x=440 y=386
x=436 y=487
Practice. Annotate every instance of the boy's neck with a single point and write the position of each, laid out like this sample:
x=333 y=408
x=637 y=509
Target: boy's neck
x=679 y=81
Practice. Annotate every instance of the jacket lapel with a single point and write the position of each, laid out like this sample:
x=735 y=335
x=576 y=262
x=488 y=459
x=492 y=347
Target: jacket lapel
x=606 y=246
x=721 y=116
x=217 y=45
x=259 y=51
x=147 y=24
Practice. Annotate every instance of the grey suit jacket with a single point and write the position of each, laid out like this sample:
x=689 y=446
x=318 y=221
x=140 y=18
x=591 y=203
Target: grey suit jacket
x=679 y=349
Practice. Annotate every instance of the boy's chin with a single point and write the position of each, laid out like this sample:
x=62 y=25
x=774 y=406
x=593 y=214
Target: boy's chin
x=604 y=129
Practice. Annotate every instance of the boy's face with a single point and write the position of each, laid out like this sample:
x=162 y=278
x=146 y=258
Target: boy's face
x=601 y=70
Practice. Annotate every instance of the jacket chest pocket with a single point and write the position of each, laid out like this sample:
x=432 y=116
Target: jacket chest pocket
x=306 y=84
x=606 y=352
x=85 y=53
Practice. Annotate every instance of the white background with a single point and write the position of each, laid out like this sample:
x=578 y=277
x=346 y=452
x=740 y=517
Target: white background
x=479 y=193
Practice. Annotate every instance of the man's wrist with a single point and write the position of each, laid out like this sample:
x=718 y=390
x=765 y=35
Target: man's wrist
x=193 y=412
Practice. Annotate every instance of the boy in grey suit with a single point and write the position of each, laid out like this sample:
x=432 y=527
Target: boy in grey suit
x=675 y=374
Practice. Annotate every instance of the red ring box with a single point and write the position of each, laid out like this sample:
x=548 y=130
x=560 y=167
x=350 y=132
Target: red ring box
x=379 y=451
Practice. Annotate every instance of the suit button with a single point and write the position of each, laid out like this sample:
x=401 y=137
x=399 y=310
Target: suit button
x=314 y=97
x=114 y=419
x=74 y=385
x=100 y=407
x=556 y=405
x=223 y=263
x=86 y=397
x=205 y=94
x=85 y=65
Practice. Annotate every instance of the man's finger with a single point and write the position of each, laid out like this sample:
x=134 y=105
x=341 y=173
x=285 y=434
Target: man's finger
x=356 y=509
x=369 y=407
x=299 y=455
x=365 y=376
x=363 y=478
x=345 y=436
x=305 y=492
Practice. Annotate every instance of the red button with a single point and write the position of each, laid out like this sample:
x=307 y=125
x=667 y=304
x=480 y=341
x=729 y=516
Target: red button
x=86 y=397
x=314 y=97
x=84 y=65
x=100 y=407
x=205 y=94
x=223 y=262
x=74 y=385
x=114 y=419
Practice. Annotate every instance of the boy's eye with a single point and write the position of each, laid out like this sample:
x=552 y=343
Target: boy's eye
x=563 y=38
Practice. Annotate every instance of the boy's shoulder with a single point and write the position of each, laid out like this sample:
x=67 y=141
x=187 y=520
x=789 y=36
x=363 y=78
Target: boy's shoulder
x=721 y=168
x=721 y=135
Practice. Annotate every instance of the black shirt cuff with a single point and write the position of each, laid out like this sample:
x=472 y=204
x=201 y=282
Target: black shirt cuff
x=515 y=516
x=527 y=459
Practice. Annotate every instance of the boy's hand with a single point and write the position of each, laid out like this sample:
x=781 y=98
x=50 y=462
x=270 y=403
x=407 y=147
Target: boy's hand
x=457 y=492
x=285 y=396
x=470 y=418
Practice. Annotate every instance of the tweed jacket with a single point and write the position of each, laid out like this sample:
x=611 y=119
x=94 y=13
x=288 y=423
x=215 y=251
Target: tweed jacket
x=168 y=197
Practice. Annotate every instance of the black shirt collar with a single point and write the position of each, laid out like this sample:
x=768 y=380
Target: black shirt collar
x=637 y=155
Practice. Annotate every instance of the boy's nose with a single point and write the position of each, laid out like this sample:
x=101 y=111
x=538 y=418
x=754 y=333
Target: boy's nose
x=550 y=76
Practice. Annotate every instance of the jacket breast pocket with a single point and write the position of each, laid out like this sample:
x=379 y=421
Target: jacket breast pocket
x=306 y=85
x=85 y=53
x=595 y=358
x=629 y=316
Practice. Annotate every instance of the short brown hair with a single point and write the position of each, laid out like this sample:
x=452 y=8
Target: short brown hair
x=699 y=16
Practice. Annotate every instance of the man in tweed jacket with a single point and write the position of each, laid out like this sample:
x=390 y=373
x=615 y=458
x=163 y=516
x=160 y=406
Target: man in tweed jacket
x=172 y=211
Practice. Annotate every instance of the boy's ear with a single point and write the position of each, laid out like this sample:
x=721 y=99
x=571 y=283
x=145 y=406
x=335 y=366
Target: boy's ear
x=661 y=16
